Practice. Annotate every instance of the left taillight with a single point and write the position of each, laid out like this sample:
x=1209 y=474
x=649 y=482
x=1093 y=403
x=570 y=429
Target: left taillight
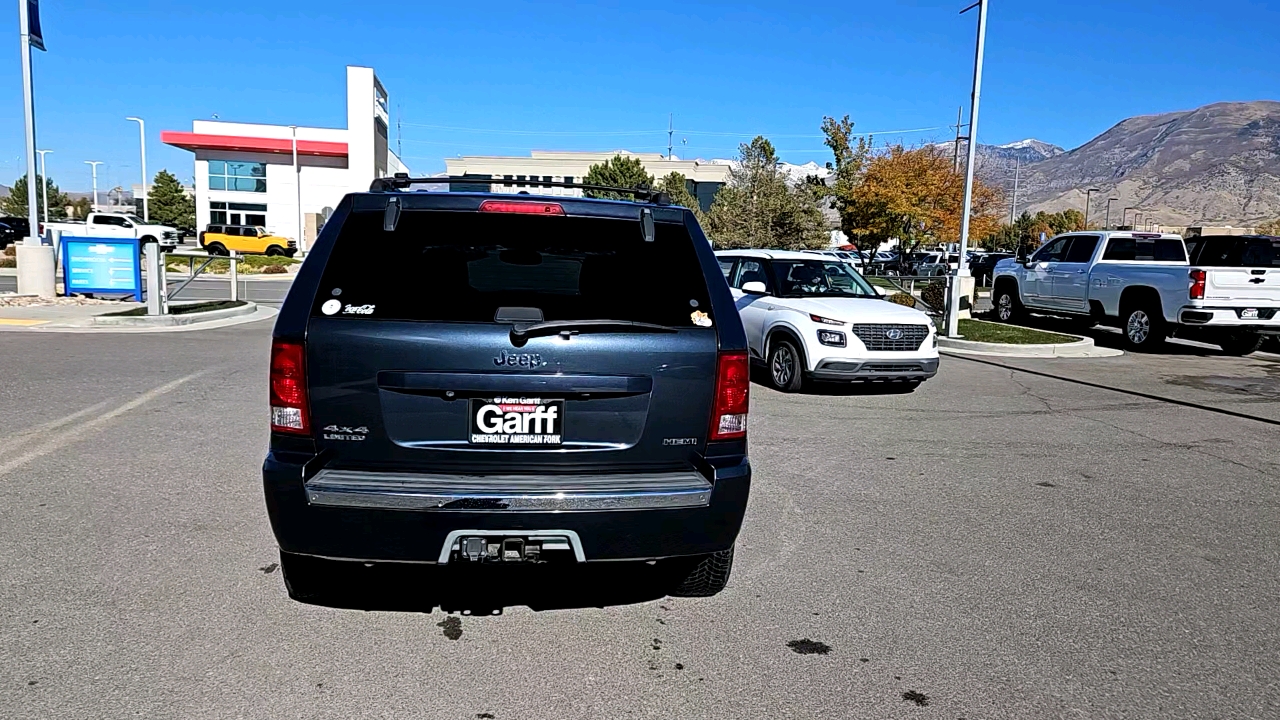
x=733 y=386
x=289 y=413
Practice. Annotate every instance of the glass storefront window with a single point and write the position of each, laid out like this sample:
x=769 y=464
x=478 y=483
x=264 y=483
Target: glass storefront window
x=237 y=176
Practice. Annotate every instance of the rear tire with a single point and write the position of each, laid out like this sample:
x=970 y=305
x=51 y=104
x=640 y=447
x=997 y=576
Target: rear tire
x=1143 y=328
x=216 y=249
x=708 y=575
x=1008 y=307
x=1240 y=343
x=785 y=367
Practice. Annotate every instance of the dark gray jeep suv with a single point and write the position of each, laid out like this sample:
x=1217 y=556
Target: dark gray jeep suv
x=472 y=378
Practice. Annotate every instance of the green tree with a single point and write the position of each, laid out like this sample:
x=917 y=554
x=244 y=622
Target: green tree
x=676 y=187
x=618 y=171
x=16 y=204
x=169 y=204
x=758 y=209
x=850 y=160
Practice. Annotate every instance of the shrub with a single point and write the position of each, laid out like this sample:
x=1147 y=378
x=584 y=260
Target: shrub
x=274 y=269
x=8 y=262
x=902 y=298
x=11 y=251
x=935 y=295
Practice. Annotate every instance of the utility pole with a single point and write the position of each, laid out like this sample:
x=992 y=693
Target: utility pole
x=1109 y=201
x=1013 y=207
x=44 y=184
x=399 y=117
x=94 y=164
x=962 y=266
x=670 y=133
x=142 y=136
x=955 y=148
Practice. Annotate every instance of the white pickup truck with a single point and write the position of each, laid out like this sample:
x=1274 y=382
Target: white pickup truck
x=1143 y=283
x=118 y=225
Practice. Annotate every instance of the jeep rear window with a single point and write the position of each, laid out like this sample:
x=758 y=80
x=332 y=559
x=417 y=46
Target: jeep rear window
x=1238 y=252
x=462 y=266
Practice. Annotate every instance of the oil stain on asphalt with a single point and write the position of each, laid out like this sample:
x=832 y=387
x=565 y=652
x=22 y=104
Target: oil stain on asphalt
x=268 y=569
x=805 y=646
x=452 y=627
x=918 y=698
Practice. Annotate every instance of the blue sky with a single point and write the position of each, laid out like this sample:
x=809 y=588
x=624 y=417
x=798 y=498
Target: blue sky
x=605 y=75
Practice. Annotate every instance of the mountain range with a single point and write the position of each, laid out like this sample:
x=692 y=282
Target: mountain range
x=1215 y=165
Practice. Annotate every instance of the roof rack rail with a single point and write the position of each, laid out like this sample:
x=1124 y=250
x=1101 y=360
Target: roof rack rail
x=401 y=181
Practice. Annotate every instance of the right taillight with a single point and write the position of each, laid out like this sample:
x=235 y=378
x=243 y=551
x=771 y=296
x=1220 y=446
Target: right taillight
x=289 y=388
x=733 y=386
x=1197 y=284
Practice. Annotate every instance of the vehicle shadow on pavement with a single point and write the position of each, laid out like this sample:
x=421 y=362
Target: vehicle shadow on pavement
x=490 y=589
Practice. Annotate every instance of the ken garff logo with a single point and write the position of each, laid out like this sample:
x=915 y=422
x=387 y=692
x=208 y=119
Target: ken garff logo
x=893 y=334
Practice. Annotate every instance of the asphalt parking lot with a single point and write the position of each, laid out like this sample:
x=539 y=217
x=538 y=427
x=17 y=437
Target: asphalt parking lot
x=997 y=544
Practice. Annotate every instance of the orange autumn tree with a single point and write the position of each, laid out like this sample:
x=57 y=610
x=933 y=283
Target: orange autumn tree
x=916 y=195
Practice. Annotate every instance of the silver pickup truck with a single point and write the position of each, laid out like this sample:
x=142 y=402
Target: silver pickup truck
x=1140 y=282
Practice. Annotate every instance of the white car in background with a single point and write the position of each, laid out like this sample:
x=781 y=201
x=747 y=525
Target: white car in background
x=812 y=317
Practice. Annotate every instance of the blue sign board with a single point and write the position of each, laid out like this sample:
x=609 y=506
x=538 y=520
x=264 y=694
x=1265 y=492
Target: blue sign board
x=101 y=265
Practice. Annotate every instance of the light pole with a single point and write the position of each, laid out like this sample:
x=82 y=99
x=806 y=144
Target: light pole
x=142 y=140
x=1088 y=194
x=297 y=182
x=1109 y=201
x=44 y=184
x=94 y=164
x=1125 y=213
x=962 y=264
x=1136 y=214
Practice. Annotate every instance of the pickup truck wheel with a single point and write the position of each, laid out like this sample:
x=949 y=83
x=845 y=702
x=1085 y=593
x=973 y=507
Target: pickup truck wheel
x=784 y=367
x=1240 y=343
x=1143 y=328
x=1008 y=306
x=704 y=575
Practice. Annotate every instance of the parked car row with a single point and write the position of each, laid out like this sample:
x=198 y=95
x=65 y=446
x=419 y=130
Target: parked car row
x=1226 y=291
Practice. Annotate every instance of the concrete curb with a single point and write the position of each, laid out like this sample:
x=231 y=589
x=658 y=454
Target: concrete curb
x=171 y=320
x=1082 y=348
x=259 y=312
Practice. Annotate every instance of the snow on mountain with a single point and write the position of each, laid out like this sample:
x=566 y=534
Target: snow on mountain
x=795 y=173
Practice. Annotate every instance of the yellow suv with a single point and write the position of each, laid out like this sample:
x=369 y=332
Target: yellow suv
x=255 y=240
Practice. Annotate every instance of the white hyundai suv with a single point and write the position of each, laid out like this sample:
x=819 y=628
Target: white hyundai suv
x=812 y=317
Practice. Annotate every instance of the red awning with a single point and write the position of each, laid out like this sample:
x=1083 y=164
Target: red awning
x=198 y=141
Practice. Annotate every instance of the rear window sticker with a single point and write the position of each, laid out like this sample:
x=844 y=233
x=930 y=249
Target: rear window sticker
x=700 y=318
x=330 y=307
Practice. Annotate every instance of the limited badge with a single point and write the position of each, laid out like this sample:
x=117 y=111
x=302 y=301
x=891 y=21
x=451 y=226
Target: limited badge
x=700 y=318
x=330 y=307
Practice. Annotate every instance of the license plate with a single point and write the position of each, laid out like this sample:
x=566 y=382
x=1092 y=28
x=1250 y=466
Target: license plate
x=1249 y=313
x=516 y=421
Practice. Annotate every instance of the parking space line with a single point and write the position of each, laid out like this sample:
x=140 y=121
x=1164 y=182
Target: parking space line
x=77 y=432
x=1135 y=393
x=13 y=442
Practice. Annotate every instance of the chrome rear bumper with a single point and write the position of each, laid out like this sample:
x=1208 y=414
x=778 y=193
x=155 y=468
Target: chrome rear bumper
x=512 y=493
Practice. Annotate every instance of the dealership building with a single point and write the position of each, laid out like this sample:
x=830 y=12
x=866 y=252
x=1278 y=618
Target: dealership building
x=512 y=174
x=248 y=174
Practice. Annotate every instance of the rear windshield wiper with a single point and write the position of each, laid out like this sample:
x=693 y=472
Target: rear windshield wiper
x=521 y=335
